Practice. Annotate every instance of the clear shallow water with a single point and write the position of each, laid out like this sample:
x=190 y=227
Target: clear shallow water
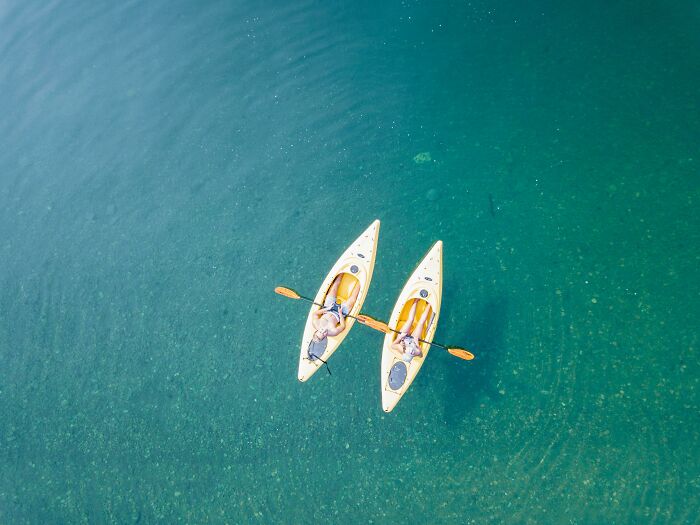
x=164 y=166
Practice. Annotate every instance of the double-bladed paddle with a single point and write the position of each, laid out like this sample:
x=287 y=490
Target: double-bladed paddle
x=456 y=351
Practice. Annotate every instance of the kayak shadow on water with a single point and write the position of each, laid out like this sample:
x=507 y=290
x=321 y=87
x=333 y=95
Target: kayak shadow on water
x=466 y=384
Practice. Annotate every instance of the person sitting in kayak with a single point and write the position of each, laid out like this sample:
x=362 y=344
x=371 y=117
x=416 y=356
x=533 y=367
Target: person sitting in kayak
x=405 y=344
x=330 y=320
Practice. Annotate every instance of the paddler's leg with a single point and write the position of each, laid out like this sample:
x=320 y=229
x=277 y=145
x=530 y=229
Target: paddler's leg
x=347 y=305
x=333 y=291
x=332 y=294
x=406 y=329
x=418 y=331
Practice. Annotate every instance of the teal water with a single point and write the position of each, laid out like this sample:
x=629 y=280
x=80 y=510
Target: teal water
x=164 y=165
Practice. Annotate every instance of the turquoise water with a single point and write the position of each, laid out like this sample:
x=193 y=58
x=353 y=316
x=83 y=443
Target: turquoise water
x=164 y=165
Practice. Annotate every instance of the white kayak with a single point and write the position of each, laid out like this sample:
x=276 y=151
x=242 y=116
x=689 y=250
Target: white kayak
x=356 y=266
x=425 y=284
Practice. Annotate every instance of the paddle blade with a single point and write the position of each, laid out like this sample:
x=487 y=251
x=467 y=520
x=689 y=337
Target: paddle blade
x=461 y=353
x=287 y=292
x=372 y=323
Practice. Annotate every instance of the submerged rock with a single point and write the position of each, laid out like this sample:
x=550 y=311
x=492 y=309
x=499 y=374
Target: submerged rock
x=422 y=157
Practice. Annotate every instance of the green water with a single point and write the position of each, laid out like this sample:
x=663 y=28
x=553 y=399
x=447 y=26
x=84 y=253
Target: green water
x=164 y=165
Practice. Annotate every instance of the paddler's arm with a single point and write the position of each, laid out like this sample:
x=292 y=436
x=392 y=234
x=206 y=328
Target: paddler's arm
x=341 y=324
x=317 y=316
x=318 y=313
x=340 y=327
